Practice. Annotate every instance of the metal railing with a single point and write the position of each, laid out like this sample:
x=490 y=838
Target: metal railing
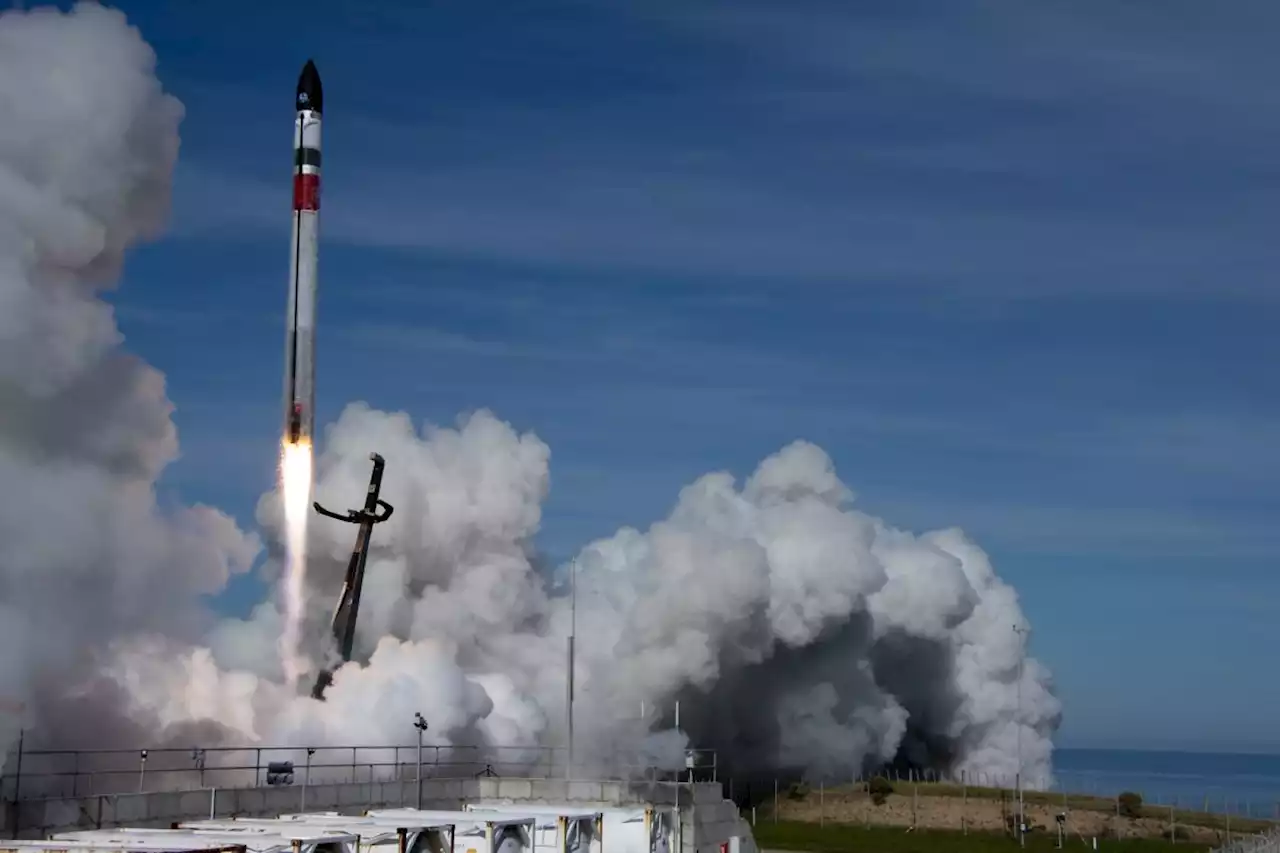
x=40 y=774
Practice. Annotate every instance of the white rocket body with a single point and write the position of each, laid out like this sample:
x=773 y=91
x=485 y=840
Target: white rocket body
x=300 y=319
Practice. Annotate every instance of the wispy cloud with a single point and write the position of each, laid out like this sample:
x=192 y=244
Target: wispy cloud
x=1035 y=151
x=217 y=203
x=1082 y=531
x=425 y=340
x=1217 y=447
x=723 y=231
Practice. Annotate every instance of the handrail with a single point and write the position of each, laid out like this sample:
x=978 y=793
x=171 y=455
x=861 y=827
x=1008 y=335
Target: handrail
x=44 y=773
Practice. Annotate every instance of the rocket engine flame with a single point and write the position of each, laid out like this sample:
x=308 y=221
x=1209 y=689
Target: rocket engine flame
x=295 y=489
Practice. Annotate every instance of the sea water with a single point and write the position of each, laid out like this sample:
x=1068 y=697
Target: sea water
x=1242 y=784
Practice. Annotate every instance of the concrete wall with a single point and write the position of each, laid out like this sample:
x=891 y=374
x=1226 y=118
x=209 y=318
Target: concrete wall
x=707 y=818
x=712 y=820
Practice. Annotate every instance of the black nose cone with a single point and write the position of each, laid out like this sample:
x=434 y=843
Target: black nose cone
x=310 y=92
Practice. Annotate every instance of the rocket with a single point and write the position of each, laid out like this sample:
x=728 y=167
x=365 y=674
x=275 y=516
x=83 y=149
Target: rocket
x=300 y=317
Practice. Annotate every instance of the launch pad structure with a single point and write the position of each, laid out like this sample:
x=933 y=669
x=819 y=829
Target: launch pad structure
x=344 y=616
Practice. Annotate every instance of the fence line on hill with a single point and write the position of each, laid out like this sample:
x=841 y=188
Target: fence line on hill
x=993 y=804
x=1156 y=790
x=1266 y=842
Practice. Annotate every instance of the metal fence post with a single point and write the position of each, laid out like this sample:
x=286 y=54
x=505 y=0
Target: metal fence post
x=306 y=779
x=418 y=803
x=775 y=799
x=17 y=776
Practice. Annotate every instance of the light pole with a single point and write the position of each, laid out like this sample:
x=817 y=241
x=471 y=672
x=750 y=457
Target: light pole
x=573 y=630
x=420 y=724
x=1022 y=633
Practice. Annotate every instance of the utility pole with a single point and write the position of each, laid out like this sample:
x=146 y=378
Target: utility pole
x=573 y=630
x=420 y=724
x=1022 y=814
x=679 y=814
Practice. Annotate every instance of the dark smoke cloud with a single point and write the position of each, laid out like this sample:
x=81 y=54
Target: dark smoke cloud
x=794 y=630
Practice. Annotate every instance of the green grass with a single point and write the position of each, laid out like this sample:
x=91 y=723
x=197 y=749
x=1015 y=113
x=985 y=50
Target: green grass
x=837 y=838
x=1073 y=802
x=1082 y=802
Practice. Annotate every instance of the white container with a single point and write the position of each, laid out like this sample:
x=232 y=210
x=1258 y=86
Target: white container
x=625 y=829
x=403 y=835
x=560 y=829
x=285 y=840
x=145 y=845
x=477 y=833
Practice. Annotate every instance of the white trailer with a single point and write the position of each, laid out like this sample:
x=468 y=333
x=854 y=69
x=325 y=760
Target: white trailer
x=145 y=845
x=626 y=829
x=390 y=835
x=567 y=830
x=287 y=839
x=477 y=833
x=632 y=829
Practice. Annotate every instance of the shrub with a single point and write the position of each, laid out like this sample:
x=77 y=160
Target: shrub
x=797 y=791
x=1130 y=804
x=879 y=788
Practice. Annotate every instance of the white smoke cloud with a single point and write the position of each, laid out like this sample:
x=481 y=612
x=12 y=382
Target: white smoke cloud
x=794 y=630
x=87 y=147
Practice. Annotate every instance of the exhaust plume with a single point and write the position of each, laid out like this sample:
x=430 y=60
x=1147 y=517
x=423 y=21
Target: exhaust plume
x=796 y=631
x=295 y=492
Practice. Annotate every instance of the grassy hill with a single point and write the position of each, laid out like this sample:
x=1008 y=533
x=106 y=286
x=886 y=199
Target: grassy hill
x=931 y=805
x=839 y=838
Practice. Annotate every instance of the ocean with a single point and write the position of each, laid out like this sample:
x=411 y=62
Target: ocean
x=1247 y=785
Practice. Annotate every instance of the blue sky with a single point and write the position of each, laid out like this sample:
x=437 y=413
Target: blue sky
x=1012 y=264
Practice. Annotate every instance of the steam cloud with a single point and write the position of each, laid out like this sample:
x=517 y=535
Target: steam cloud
x=797 y=631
